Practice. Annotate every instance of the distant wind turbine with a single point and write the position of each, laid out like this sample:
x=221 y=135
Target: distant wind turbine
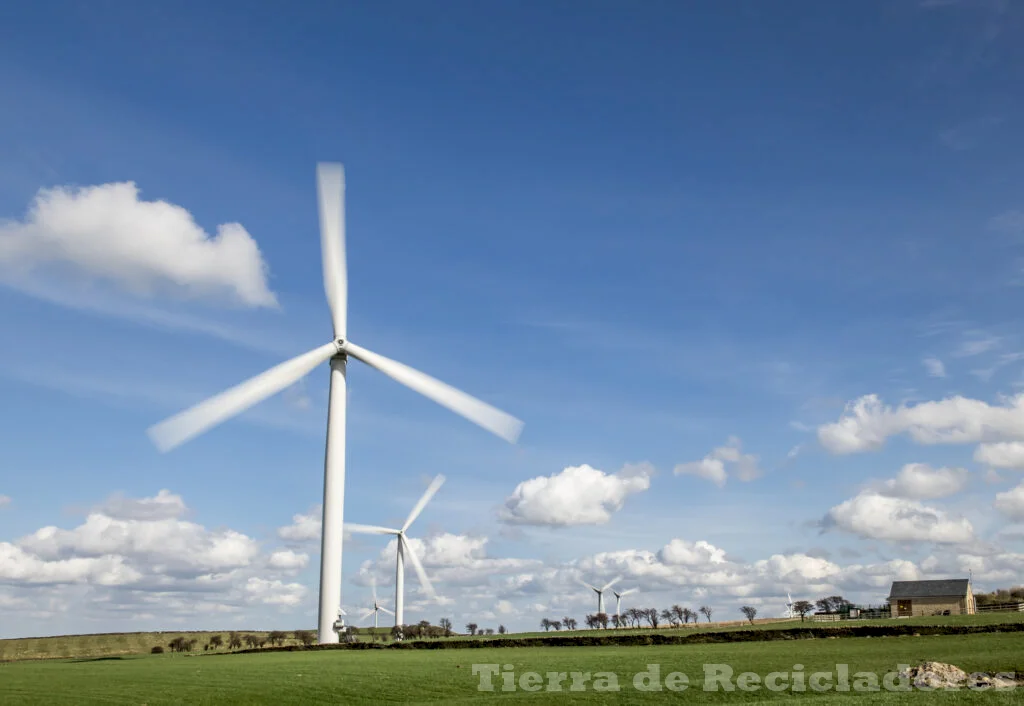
x=618 y=598
x=600 y=591
x=405 y=548
x=377 y=607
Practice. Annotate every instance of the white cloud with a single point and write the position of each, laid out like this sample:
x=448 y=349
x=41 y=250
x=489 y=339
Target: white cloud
x=1006 y=454
x=19 y=566
x=866 y=423
x=919 y=481
x=5 y=500
x=578 y=495
x=722 y=462
x=1011 y=503
x=934 y=367
x=679 y=552
x=107 y=233
x=977 y=344
x=874 y=516
x=274 y=592
x=287 y=560
x=305 y=527
x=165 y=505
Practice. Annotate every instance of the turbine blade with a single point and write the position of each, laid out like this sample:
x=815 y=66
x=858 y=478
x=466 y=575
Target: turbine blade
x=373 y=588
x=427 y=495
x=632 y=590
x=330 y=182
x=368 y=529
x=420 y=573
x=386 y=610
x=490 y=418
x=613 y=581
x=178 y=429
x=587 y=585
x=368 y=614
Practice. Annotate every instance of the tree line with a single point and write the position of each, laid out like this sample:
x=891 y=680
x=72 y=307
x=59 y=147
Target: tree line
x=236 y=640
x=633 y=618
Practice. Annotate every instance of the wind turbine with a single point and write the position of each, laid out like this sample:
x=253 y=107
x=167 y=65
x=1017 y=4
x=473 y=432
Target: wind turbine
x=600 y=592
x=618 y=598
x=404 y=548
x=789 y=605
x=185 y=425
x=377 y=607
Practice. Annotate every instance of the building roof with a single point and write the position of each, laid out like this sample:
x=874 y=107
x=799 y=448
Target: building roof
x=929 y=589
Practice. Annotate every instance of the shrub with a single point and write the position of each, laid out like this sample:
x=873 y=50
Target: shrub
x=158 y=650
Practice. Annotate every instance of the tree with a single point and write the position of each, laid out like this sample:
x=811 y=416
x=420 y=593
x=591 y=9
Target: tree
x=591 y=621
x=216 y=641
x=490 y=631
x=749 y=611
x=802 y=608
x=471 y=628
x=234 y=640
x=569 y=623
x=251 y=641
x=679 y=613
x=602 y=620
x=652 y=616
x=276 y=637
x=689 y=615
x=306 y=637
x=501 y=630
x=446 y=625
x=669 y=616
x=833 y=604
x=707 y=611
x=546 y=624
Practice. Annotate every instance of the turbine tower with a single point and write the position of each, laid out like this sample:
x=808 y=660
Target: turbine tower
x=185 y=425
x=403 y=548
x=600 y=592
x=377 y=607
x=618 y=598
x=789 y=605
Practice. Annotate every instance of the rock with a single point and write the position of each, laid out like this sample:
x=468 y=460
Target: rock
x=939 y=675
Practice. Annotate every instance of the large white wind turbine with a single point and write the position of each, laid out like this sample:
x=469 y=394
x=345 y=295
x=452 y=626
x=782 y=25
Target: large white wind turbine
x=618 y=599
x=196 y=420
x=789 y=605
x=600 y=591
x=404 y=548
x=377 y=607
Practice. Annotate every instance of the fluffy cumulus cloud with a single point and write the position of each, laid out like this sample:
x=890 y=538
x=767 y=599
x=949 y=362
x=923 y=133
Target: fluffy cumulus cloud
x=1011 y=503
x=108 y=233
x=305 y=527
x=1004 y=454
x=875 y=516
x=919 y=481
x=867 y=423
x=137 y=560
x=722 y=462
x=578 y=495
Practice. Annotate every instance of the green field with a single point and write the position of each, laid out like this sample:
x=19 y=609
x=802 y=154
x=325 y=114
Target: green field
x=431 y=676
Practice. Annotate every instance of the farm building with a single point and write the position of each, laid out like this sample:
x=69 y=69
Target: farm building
x=942 y=597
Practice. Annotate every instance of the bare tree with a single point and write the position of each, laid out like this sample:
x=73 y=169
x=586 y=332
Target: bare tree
x=749 y=611
x=669 y=617
x=602 y=620
x=556 y=624
x=569 y=623
x=546 y=624
x=802 y=608
x=707 y=611
x=446 y=625
x=471 y=628
x=652 y=616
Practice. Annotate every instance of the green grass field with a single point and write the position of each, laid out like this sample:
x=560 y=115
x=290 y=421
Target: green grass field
x=422 y=676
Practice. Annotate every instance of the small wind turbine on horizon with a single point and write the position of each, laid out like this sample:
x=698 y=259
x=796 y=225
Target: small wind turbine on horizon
x=789 y=605
x=618 y=598
x=196 y=420
x=403 y=548
x=377 y=607
x=600 y=591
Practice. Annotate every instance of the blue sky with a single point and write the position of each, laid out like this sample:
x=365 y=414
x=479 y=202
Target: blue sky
x=642 y=230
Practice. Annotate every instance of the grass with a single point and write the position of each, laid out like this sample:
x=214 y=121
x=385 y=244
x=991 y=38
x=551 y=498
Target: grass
x=432 y=676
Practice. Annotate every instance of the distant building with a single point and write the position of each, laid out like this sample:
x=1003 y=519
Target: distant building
x=943 y=597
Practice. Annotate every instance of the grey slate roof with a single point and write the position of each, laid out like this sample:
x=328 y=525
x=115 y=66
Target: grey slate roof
x=929 y=589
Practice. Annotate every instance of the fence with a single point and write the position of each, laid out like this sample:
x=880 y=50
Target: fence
x=997 y=607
